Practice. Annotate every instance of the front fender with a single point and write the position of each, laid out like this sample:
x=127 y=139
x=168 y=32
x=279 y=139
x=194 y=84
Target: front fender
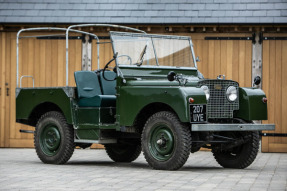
x=133 y=99
x=251 y=106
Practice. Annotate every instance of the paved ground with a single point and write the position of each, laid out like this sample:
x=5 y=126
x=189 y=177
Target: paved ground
x=20 y=169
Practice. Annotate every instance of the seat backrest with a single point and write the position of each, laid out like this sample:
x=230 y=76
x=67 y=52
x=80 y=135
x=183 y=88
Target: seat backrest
x=87 y=84
x=108 y=87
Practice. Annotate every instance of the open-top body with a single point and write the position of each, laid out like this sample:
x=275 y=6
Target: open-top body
x=150 y=96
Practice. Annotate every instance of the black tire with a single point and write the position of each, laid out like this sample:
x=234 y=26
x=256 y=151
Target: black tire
x=166 y=142
x=241 y=156
x=123 y=152
x=54 y=138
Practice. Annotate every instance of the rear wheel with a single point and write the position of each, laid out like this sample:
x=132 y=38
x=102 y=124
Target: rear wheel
x=123 y=152
x=54 y=138
x=240 y=156
x=166 y=142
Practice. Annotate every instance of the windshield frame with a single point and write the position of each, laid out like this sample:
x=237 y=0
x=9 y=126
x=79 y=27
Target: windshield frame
x=151 y=36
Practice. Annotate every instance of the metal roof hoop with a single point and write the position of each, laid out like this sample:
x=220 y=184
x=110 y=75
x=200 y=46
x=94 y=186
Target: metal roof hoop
x=98 y=45
x=41 y=29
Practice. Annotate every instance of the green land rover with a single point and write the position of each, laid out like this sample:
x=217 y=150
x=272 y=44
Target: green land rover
x=150 y=98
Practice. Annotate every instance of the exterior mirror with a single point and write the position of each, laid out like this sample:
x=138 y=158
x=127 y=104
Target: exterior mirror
x=257 y=80
x=171 y=76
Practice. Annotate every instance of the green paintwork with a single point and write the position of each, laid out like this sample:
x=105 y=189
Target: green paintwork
x=136 y=95
x=93 y=116
x=50 y=139
x=136 y=89
x=161 y=142
x=29 y=98
x=153 y=71
x=89 y=134
x=251 y=106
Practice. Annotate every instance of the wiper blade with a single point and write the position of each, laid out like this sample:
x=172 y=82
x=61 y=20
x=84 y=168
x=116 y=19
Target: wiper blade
x=141 y=58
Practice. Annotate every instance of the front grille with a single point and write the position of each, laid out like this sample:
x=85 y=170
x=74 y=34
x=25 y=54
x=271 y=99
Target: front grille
x=218 y=106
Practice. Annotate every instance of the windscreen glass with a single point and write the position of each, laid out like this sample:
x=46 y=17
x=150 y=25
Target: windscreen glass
x=143 y=49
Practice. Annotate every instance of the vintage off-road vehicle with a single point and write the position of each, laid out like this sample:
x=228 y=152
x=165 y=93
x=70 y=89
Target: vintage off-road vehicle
x=143 y=100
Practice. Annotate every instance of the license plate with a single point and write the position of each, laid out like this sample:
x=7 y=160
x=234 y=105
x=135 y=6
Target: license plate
x=197 y=113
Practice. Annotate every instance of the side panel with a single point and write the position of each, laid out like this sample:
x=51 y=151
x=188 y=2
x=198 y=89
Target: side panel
x=251 y=105
x=133 y=99
x=29 y=99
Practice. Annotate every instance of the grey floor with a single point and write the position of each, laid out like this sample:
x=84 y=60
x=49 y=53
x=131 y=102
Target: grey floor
x=20 y=169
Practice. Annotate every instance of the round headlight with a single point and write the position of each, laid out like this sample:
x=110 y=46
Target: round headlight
x=231 y=93
x=206 y=91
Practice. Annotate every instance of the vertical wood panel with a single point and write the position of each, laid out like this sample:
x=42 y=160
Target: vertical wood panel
x=265 y=87
x=284 y=90
x=223 y=58
x=7 y=89
x=274 y=85
x=229 y=56
x=278 y=90
x=210 y=60
x=2 y=85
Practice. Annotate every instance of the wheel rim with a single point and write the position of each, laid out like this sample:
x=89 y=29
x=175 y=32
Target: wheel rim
x=50 y=140
x=161 y=142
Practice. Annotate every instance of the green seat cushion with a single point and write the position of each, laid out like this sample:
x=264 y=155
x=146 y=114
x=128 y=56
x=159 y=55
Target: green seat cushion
x=98 y=101
x=108 y=87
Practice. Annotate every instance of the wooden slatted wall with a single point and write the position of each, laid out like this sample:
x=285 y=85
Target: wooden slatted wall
x=45 y=60
x=275 y=86
x=42 y=59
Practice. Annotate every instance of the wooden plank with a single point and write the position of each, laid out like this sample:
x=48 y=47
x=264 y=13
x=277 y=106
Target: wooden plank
x=217 y=59
x=229 y=60
x=1 y=131
x=37 y=62
x=248 y=64
x=2 y=85
x=284 y=91
x=48 y=61
x=235 y=63
x=72 y=52
x=21 y=143
x=223 y=58
x=61 y=69
x=278 y=90
x=211 y=61
x=54 y=62
x=241 y=65
x=205 y=56
x=42 y=65
x=265 y=87
x=97 y=146
x=272 y=93
x=7 y=88
x=14 y=127
x=278 y=147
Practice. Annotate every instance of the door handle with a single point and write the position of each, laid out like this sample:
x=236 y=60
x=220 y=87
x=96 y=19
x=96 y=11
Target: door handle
x=7 y=91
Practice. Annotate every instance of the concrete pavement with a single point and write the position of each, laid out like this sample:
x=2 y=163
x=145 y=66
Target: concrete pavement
x=20 y=169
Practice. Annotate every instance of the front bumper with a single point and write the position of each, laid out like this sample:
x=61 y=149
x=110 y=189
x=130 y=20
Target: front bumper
x=232 y=127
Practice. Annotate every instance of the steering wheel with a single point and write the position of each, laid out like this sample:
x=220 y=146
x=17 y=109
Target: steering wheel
x=129 y=58
x=113 y=69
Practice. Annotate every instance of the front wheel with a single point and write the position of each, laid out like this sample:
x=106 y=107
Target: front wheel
x=166 y=142
x=240 y=156
x=54 y=138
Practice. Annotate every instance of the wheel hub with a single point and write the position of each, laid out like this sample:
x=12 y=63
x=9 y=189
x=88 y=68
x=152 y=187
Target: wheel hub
x=50 y=140
x=161 y=143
